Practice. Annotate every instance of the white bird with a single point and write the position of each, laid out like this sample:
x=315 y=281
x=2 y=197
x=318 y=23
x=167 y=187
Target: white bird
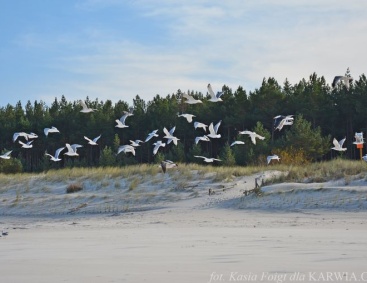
x=214 y=97
x=213 y=131
x=169 y=135
x=190 y=99
x=346 y=80
x=92 y=142
x=338 y=146
x=152 y=134
x=203 y=138
x=237 y=142
x=86 y=109
x=253 y=135
x=207 y=159
x=20 y=134
x=4 y=233
x=280 y=121
x=126 y=148
x=72 y=149
x=167 y=164
x=121 y=122
x=57 y=153
x=32 y=136
x=26 y=145
x=270 y=157
x=364 y=157
x=188 y=117
x=6 y=155
x=157 y=145
x=50 y=130
x=200 y=125
x=25 y=135
x=135 y=143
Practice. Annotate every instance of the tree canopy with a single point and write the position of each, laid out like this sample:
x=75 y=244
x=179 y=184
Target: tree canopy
x=320 y=114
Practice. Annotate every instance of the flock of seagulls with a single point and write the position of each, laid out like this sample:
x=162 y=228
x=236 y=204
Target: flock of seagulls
x=279 y=122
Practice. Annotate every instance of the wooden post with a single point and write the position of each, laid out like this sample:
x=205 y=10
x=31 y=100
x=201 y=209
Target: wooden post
x=360 y=146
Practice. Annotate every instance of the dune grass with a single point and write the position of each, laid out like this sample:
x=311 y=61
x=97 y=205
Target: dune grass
x=313 y=172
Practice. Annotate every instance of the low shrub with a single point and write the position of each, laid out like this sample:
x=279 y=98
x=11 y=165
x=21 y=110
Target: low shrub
x=72 y=188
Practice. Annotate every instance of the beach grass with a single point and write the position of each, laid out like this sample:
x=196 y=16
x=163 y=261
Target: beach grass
x=313 y=172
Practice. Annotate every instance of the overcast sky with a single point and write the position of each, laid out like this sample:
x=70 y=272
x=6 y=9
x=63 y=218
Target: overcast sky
x=116 y=49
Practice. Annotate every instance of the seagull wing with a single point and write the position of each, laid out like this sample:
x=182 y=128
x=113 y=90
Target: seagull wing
x=97 y=138
x=341 y=142
x=123 y=118
x=82 y=103
x=336 y=143
x=211 y=129
x=57 y=153
x=198 y=156
x=165 y=131
x=69 y=148
x=88 y=139
x=269 y=158
x=188 y=97
x=211 y=92
x=217 y=126
x=245 y=132
x=172 y=130
x=163 y=165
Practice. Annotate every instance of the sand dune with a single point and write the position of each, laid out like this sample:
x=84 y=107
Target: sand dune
x=174 y=231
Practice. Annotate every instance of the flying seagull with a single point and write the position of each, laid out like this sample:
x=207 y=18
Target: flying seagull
x=237 y=142
x=280 y=121
x=188 y=117
x=50 y=130
x=152 y=134
x=135 y=143
x=26 y=145
x=200 y=125
x=86 y=109
x=271 y=157
x=190 y=99
x=213 y=131
x=25 y=135
x=121 y=122
x=207 y=159
x=338 y=146
x=214 y=97
x=57 y=153
x=167 y=164
x=157 y=145
x=126 y=148
x=72 y=149
x=346 y=80
x=252 y=135
x=6 y=155
x=203 y=138
x=92 y=142
x=169 y=135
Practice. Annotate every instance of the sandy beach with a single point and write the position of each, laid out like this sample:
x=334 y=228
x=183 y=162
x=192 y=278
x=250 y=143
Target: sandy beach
x=292 y=233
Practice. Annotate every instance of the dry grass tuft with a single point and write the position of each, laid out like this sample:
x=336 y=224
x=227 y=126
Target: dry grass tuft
x=75 y=187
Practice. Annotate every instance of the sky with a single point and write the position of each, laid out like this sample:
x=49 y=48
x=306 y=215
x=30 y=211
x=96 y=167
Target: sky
x=116 y=49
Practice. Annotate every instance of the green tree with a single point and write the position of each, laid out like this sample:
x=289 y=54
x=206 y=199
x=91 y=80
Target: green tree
x=302 y=136
x=108 y=157
x=227 y=156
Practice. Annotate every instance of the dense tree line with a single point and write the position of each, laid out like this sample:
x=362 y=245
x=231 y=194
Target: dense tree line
x=321 y=113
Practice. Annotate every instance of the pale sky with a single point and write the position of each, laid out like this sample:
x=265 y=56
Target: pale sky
x=115 y=49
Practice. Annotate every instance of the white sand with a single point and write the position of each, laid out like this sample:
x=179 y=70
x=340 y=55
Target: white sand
x=193 y=237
